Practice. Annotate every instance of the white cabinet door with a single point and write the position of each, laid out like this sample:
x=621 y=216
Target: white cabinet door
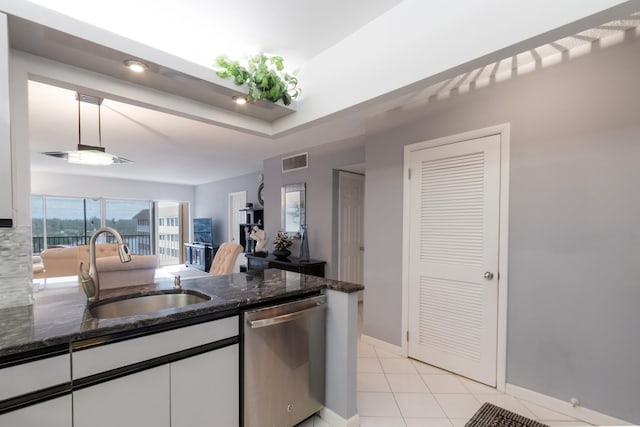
x=140 y=400
x=205 y=389
x=52 y=413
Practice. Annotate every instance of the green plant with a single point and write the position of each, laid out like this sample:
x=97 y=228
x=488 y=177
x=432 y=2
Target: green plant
x=265 y=77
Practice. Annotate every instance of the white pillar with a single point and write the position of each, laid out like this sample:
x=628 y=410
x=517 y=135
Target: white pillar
x=15 y=193
x=341 y=363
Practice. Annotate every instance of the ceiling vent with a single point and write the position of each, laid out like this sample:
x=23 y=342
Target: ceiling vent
x=295 y=162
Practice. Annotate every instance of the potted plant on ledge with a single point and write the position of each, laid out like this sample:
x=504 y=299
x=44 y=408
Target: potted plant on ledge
x=264 y=75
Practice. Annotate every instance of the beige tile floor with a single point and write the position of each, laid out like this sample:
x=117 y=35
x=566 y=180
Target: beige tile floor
x=395 y=391
x=399 y=392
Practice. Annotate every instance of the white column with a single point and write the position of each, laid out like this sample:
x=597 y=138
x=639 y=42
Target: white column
x=341 y=363
x=15 y=242
x=6 y=189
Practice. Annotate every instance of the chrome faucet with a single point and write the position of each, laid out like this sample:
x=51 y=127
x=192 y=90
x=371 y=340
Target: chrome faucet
x=90 y=281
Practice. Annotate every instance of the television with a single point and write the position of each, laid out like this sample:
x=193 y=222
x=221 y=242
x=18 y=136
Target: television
x=203 y=231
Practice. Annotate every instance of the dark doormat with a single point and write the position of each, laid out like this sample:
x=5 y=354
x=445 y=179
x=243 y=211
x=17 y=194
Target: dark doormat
x=492 y=416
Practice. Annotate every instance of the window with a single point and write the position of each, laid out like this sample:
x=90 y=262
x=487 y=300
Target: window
x=37 y=223
x=144 y=225
x=169 y=237
x=132 y=219
x=63 y=221
x=71 y=221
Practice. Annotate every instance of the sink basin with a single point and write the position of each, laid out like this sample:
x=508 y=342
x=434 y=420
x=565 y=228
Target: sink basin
x=142 y=304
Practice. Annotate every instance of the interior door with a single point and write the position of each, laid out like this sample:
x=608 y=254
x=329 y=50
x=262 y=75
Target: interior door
x=453 y=256
x=351 y=226
x=237 y=201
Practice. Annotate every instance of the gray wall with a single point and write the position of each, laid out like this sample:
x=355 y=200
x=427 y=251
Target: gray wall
x=55 y=184
x=319 y=202
x=212 y=201
x=574 y=238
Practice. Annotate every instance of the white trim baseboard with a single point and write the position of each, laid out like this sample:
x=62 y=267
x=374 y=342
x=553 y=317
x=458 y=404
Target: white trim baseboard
x=336 y=420
x=566 y=408
x=383 y=345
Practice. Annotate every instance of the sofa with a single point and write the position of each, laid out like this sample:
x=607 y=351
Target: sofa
x=112 y=273
x=65 y=261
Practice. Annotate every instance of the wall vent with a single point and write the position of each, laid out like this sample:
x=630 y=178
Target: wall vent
x=295 y=162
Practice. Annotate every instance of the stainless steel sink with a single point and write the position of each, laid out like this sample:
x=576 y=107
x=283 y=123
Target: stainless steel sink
x=106 y=309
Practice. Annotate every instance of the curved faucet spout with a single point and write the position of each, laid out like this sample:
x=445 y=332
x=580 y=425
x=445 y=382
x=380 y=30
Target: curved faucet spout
x=89 y=280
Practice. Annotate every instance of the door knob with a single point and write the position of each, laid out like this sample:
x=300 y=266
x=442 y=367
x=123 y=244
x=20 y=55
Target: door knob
x=488 y=275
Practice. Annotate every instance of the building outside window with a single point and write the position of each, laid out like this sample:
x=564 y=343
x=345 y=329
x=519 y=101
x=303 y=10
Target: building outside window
x=169 y=241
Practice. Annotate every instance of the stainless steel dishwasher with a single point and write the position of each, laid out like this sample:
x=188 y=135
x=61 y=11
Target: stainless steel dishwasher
x=284 y=356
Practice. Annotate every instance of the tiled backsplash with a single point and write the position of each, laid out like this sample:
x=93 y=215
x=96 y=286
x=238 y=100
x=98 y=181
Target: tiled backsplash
x=15 y=267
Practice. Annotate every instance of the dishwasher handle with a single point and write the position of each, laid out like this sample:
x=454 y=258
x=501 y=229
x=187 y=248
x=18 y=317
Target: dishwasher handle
x=270 y=321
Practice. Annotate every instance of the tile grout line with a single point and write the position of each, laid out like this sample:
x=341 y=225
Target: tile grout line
x=468 y=391
x=395 y=399
x=434 y=396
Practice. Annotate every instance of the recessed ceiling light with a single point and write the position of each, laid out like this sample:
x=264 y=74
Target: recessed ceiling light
x=135 y=66
x=240 y=100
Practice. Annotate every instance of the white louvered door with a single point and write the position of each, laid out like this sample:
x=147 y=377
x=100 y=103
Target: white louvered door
x=454 y=234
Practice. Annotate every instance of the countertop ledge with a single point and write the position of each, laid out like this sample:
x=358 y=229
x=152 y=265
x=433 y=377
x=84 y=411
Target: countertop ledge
x=58 y=319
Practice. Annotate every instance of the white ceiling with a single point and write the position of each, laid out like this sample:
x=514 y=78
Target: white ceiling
x=200 y=30
x=168 y=148
x=164 y=147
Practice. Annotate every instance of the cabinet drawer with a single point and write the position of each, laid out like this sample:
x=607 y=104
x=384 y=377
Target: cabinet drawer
x=52 y=413
x=138 y=400
x=91 y=361
x=33 y=376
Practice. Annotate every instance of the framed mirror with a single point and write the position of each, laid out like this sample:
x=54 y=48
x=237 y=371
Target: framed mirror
x=293 y=208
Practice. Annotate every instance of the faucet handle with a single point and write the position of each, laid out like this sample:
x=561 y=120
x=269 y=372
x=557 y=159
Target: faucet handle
x=176 y=282
x=123 y=251
x=87 y=283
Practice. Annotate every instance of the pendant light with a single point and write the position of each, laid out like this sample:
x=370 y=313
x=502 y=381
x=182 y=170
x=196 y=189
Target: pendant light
x=89 y=154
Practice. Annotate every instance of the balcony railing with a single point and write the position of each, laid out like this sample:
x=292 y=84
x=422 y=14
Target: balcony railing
x=138 y=244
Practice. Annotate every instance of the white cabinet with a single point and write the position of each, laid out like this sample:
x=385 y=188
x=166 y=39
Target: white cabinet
x=51 y=413
x=140 y=399
x=187 y=377
x=27 y=386
x=91 y=361
x=205 y=389
x=33 y=376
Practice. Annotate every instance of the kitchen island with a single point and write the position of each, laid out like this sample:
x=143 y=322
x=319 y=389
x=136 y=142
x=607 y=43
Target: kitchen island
x=59 y=329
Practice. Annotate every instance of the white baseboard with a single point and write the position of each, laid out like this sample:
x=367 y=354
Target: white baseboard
x=383 y=345
x=336 y=420
x=584 y=414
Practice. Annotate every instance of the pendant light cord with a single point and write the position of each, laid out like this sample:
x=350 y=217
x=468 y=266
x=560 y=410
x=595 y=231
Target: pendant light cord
x=99 y=122
x=79 y=132
x=99 y=125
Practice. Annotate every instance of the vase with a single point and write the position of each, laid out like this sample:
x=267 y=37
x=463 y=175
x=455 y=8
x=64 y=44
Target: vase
x=304 y=243
x=281 y=253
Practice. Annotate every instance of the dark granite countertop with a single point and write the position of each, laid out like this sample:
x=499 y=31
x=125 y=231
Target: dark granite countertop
x=58 y=319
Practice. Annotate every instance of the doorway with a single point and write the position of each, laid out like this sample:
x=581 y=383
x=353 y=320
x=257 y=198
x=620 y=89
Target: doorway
x=237 y=201
x=350 y=226
x=455 y=228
